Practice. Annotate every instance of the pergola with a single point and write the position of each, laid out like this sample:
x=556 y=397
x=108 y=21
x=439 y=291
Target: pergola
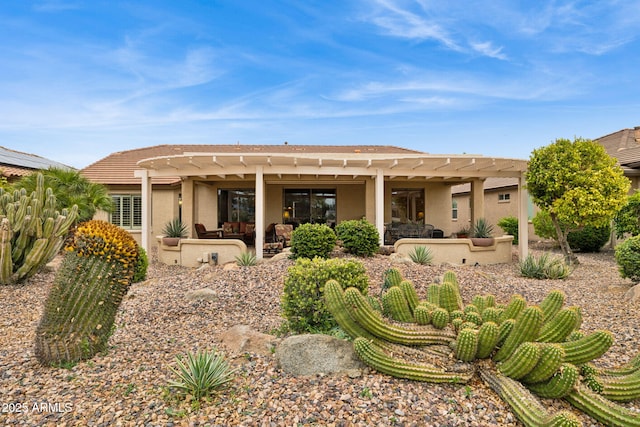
x=265 y=167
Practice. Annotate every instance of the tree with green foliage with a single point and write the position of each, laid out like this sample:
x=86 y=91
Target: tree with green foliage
x=627 y=220
x=71 y=188
x=578 y=183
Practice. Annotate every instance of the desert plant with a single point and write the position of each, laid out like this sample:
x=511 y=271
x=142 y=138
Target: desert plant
x=88 y=288
x=32 y=231
x=544 y=266
x=141 y=266
x=246 y=259
x=312 y=240
x=627 y=256
x=200 y=374
x=481 y=229
x=175 y=228
x=302 y=302
x=509 y=225
x=589 y=238
x=359 y=237
x=421 y=255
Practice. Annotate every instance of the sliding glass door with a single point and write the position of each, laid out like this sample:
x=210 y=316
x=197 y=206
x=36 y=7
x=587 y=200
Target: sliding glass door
x=309 y=205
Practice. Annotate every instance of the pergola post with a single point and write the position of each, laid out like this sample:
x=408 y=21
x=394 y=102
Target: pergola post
x=259 y=241
x=523 y=218
x=380 y=204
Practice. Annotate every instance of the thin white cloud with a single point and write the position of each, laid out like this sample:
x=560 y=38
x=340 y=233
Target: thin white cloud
x=487 y=49
x=55 y=5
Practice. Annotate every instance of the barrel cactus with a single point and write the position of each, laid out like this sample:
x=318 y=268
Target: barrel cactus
x=530 y=351
x=79 y=313
x=32 y=232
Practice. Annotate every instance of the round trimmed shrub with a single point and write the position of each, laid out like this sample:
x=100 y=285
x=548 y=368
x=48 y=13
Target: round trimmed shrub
x=303 y=296
x=509 y=225
x=312 y=240
x=359 y=237
x=628 y=258
x=589 y=239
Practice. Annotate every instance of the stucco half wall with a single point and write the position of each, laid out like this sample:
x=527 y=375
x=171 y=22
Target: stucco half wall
x=461 y=251
x=195 y=252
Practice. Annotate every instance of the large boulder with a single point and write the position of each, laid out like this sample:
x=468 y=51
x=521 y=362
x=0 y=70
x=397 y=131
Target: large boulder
x=633 y=294
x=317 y=354
x=242 y=339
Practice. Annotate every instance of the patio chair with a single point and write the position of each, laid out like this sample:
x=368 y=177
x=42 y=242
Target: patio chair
x=203 y=233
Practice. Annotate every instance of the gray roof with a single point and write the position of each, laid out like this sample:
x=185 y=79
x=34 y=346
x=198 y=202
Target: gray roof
x=14 y=158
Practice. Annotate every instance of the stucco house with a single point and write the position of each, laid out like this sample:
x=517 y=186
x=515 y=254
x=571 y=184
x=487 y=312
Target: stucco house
x=266 y=184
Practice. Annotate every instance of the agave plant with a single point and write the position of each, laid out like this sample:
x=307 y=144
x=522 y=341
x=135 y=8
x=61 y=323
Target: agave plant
x=421 y=255
x=246 y=259
x=200 y=374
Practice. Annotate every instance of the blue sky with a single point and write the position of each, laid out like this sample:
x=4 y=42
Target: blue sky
x=80 y=79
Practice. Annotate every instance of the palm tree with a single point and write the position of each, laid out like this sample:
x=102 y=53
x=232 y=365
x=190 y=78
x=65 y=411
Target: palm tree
x=71 y=188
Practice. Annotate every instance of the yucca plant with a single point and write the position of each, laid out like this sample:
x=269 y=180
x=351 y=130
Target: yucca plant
x=200 y=374
x=544 y=267
x=246 y=259
x=421 y=255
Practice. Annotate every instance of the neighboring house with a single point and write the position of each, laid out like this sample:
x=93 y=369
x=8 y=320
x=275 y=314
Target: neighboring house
x=265 y=184
x=501 y=193
x=15 y=164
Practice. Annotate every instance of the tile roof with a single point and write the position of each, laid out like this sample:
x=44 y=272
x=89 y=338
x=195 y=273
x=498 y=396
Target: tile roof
x=491 y=183
x=117 y=168
x=624 y=146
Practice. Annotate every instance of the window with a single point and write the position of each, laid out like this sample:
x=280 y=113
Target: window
x=236 y=205
x=504 y=197
x=127 y=211
x=309 y=205
x=407 y=205
x=454 y=209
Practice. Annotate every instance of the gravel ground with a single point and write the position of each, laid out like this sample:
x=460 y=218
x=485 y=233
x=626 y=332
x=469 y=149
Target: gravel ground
x=127 y=386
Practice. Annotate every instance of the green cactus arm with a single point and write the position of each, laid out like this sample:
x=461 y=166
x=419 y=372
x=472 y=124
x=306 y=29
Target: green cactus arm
x=479 y=302
x=450 y=297
x=527 y=407
x=628 y=368
x=559 y=327
x=410 y=294
x=334 y=301
x=588 y=348
x=526 y=328
x=552 y=304
x=433 y=294
x=422 y=315
x=395 y=305
x=491 y=314
x=33 y=260
x=370 y=320
x=467 y=345
x=513 y=309
x=488 y=336
x=603 y=410
x=6 y=263
x=521 y=361
x=561 y=383
x=551 y=358
x=439 y=318
x=375 y=357
x=622 y=388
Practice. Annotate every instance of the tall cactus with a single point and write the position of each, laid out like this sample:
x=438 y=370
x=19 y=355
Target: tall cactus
x=32 y=232
x=81 y=307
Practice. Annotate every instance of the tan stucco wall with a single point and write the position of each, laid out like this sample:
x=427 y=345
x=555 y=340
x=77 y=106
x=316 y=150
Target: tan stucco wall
x=461 y=251
x=195 y=252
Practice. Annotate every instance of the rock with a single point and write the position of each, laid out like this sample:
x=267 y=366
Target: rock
x=317 y=354
x=231 y=266
x=397 y=258
x=282 y=255
x=242 y=339
x=201 y=294
x=633 y=294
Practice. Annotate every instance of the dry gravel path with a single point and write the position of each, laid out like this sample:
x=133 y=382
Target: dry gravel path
x=127 y=385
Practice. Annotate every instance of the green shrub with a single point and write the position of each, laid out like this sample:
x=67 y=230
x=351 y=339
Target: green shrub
x=200 y=374
x=303 y=300
x=627 y=220
x=359 y=237
x=509 y=225
x=312 y=240
x=589 y=239
x=543 y=226
x=421 y=255
x=628 y=258
x=544 y=267
x=142 y=266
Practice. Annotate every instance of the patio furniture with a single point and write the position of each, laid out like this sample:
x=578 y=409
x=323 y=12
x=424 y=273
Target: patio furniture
x=283 y=234
x=203 y=233
x=395 y=231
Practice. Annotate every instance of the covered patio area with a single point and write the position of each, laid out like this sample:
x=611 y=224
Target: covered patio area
x=262 y=187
